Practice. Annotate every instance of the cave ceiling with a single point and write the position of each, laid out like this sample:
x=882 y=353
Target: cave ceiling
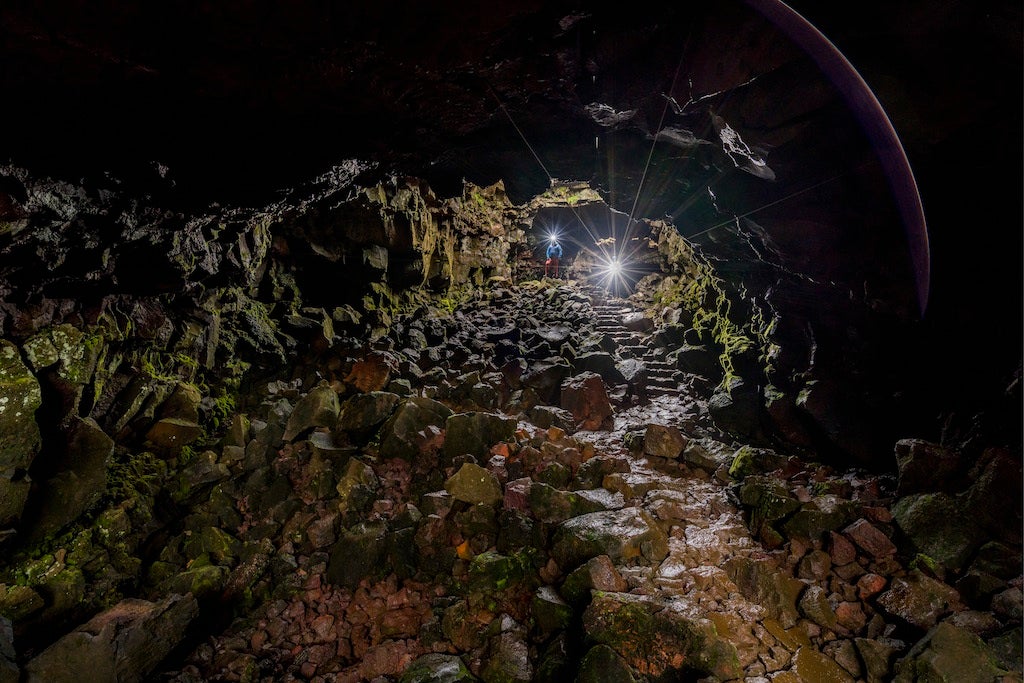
x=708 y=115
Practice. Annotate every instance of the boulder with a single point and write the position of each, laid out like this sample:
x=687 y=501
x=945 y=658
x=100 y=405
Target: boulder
x=602 y=664
x=993 y=500
x=919 y=600
x=550 y=612
x=170 y=434
x=761 y=581
x=623 y=535
x=601 y=363
x=737 y=409
x=819 y=516
x=373 y=371
x=597 y=573
x=407 y=432
x=545 y=378
x=358 y=554
x=121 y=645
x=474 y=485
x=949 y=653
x=551 y=416
x=508 y=659
x=870 y=539
x=357 y=487
x=362 y=414
x=318 y=408
x=811 y=665
x=696 y=360
x=664 y=442
x=935 y=526
x=927 y=467
x=586 y=398
x=656 y=640
x=80 y=483
x=437 y=668
x=474 y=433
x=549 y=504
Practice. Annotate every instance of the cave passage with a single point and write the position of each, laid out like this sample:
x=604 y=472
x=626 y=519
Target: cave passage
x=285 y=393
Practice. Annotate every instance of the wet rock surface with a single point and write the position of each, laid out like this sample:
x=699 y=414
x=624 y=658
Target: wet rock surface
x=443 y=473
x=362 y=535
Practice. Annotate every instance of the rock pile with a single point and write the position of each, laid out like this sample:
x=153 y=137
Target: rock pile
x=439 y=506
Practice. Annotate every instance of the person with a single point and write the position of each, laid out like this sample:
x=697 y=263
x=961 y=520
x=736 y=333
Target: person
x=554 y=253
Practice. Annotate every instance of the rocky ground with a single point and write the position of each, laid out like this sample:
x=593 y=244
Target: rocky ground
x=533 y=486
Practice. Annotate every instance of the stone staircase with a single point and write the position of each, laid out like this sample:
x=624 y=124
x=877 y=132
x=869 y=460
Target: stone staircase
x=620 y=321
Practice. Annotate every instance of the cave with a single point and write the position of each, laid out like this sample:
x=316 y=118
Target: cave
x=288 y=394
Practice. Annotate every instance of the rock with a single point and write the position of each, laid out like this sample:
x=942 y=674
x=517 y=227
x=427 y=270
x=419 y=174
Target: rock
x=815 y=606
x=357 y=487
x=551 y=416
x=601 y=363
x=372 y=372
x=997 y=559
x=841 y=549
x=602 y=664
x=318 y=408
x=1009 y=604
x=841 y=417
x=555 y=663
x=171 y=434
x=437 y=668
x=697 y=360
x=919 y=600
x=19 y=602
x=597 y=573
x=358 y=554
x=926 y=467
x=936 y=526
x=80 y=485
x=475 y=433
x=658 y=641
x=768 y=501
x=993 y=500
x=9 y=672
x=761 y=581
x=592 y=472
x=786 y=420
x=737 y=409
x=406 y=433
x=586 y=398
x=550 y=612
x=637 y=322
x=490 y=572
x=821 y=515
x=877 y=656
x=870 y=539
x=475 y=485
x=949 y=653
x=122 y=644
x=664 y=442
x=549 y=504
x=623 y=535
x=362 y=414
x=508 y=661
x=811 y=665
x=183 y=403
x=545 y=378
x=696 y=455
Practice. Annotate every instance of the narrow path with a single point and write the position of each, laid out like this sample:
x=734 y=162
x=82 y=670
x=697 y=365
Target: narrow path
x=705 y=528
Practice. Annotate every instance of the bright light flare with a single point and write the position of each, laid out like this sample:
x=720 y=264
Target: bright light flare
x=612 y=273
